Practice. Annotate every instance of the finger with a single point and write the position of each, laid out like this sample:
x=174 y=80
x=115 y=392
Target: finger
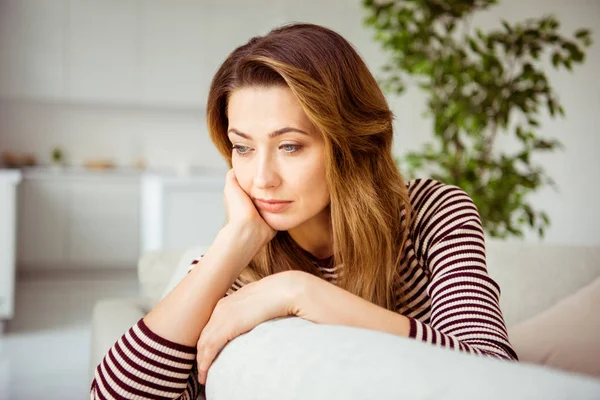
x=234 y=177
x=199 y=358
x=211 y=349
x=201 y=345
x=204 y=342
x=230 y=175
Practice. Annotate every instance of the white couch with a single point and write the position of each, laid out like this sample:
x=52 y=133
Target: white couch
x=548 y=298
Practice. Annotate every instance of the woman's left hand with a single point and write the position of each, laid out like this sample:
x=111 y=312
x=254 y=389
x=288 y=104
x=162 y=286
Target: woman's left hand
x=271 y=297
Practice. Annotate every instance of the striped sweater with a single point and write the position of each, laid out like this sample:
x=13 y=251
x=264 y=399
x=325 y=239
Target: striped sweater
x=450 y=301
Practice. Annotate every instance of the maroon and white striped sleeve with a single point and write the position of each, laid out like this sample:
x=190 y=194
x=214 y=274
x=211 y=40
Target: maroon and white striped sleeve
x=143 y=365
x=465 y=310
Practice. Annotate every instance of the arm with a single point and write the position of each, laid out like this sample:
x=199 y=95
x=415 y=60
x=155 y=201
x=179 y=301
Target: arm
x=154 y=359
x=465 y=300
x=477 y=328
x=465 y=310
x=181 y=315
x=324 y=303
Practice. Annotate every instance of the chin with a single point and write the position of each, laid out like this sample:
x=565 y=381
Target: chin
x=280 y=222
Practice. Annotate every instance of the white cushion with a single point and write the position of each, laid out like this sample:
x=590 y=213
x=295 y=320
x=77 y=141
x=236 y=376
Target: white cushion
x=291 y=358
x=181 y=270
x=161 y=270
x=533 y=277
x=566 y=336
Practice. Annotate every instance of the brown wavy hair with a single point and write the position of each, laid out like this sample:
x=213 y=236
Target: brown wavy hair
x=370 y=209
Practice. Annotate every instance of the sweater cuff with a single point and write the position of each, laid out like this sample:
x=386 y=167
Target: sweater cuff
x=169 y=346
x=412 y=333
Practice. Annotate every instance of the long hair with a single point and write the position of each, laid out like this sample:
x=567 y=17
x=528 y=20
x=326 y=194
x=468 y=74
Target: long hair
x=370 y=209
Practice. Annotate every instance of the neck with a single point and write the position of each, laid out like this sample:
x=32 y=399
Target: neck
x=315 y=235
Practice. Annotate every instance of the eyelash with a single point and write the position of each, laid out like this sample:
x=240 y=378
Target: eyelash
x=237 y=148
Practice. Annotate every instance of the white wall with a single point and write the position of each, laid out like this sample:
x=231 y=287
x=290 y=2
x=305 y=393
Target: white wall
x=167 y=136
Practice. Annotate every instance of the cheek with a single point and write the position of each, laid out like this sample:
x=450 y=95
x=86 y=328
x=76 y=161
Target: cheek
x=243 y=177
x=312 y=183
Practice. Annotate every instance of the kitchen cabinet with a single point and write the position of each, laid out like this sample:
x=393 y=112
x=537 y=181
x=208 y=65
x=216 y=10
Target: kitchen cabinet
x=42 y=223
x=173 y=55
x=183 y=45
x=85 y=220
x=103 y=224
x=32 y=49
x=141 y=53
x=102 y=51
x=9 y=180
x=78 y=221
x=181 y=212
x=70 y=51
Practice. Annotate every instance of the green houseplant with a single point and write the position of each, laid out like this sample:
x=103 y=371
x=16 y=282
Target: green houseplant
x=478 y=83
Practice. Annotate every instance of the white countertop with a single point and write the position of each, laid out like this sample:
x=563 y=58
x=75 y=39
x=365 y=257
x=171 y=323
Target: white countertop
x=13 y=176
x=79 y=172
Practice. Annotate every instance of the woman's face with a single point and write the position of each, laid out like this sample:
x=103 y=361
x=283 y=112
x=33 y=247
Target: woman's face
x=277 y=156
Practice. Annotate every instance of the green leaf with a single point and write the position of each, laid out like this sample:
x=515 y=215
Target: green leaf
x=582 y=33
x=556 y=59
x=551 y=107
x=567 y=63
x=473 y=45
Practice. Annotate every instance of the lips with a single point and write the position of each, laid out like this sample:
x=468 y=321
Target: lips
x=272 y=206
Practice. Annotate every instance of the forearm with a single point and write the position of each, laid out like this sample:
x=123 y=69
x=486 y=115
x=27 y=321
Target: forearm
x=183 y=313
x=324 y=303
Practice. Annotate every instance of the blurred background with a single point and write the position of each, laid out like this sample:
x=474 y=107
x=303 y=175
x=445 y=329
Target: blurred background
x=106 y=155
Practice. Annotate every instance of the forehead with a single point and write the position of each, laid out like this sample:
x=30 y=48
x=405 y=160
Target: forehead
x=259 y=110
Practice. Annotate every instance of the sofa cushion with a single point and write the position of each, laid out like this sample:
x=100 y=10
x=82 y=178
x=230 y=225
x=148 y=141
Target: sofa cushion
x=566 y=336
x=155 y=269
x=535 y=276
x=110 y=319
x=182 y=267
x=291 y=358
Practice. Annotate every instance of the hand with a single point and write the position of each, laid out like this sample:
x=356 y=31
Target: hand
x=271 y=297
x=240 y=208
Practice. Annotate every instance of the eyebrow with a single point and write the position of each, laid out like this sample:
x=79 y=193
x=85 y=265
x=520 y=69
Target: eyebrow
x=273 y=134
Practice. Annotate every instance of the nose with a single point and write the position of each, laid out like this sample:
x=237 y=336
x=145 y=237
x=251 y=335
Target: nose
x=266 y=173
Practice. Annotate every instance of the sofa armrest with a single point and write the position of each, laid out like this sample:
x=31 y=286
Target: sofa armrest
x=291 y=358
x=160 y=271
x=110 y=320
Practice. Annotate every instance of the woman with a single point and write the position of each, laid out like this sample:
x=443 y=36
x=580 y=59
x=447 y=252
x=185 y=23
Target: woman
x=320 y=225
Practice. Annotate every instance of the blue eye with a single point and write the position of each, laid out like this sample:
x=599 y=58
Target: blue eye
x=290 y=148
x=241 y=150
